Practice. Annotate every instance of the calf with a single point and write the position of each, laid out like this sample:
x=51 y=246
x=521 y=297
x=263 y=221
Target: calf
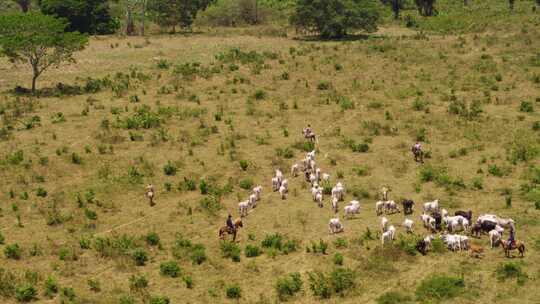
x=276 y=183
x=335 y=205
x=384 y=223
x=431 y=207
x=391 y=207
x=252 y=200
x=243 y=208
x=294 y=170
x=494 y=238
x=335 y=226
x=257 y=191
x=319 y=199
x=283 y=192
x=388 y=236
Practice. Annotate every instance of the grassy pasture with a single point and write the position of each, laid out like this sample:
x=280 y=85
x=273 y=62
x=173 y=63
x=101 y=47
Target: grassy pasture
x=463 y=95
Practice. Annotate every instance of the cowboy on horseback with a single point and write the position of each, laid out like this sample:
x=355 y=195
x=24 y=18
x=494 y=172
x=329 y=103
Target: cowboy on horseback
x=308 y=133
x=230 y=225
x=417 y=151
x=512 y=238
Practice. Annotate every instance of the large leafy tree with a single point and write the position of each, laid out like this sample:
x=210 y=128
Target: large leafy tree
x=426 y=7
x=335 y=18
x=39 y=41
x=85 y=16
x=172 y=13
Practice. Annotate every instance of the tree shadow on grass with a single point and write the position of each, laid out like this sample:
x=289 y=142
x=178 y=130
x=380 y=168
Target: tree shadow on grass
x=355 y=37
x=61 y=89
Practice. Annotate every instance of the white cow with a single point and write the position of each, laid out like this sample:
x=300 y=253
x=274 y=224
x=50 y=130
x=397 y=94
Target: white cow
x=311 y=155
x=506 y=223
x=428 y=220
x=319 y=199
x=335 y=205
x=283 y=192
x=379 y=207
x=338 y=192
x=384 y=223
x=391 y=207
x=294 y=170
x=335 y=226
x=257 y=191
x=313 y=179
x=487 y=218
x=243 y=208
x=285 y=184
x=444 y=213
x=318 y=174
x=279 y=175
x=388 y=236
x=494 y=238
x=252 y=200
x=428 y=239
x=326 y=177
x=314 y=191
x=453 y=223
x=431 y=207
x=276 y=183
x=408 y=224
x=352 y=208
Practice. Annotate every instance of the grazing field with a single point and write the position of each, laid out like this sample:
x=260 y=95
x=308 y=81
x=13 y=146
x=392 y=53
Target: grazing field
x=205 y=118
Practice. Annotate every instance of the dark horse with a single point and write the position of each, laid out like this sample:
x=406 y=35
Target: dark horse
x=223 y=231
x=407 y=206
x=520 y=246
x=418 y=154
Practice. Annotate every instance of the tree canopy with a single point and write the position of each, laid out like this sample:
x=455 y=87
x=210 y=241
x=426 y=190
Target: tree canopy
x=334 y=18
x=85 y=16
x=172 y=13
x=39 y=41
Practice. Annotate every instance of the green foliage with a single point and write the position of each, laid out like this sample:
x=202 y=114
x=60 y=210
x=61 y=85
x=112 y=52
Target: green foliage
x=38 y=40
x=335 y=18
x=143 y=118
x=13 y=251
x=511 y=270
x=393 y=297
x=159 y=300
x=138 y=283
x=233 y=291
x=51 y=287
x=25 y=293
x=152 y=239
x=287 y=286
x=319 y=247
x=244 y=164
x=210 y=204
x=338 y=259
x=170 y=169
x=285 y=152
x=259 y=94
x=171 y=13
x=230 y=250
x=84 y=16
x=439 y=287
x=252 y=251
x=2 y=239
x=246 y=184
x=339 y=281
x=526 y=106
x=140 y=256
x=170 y=269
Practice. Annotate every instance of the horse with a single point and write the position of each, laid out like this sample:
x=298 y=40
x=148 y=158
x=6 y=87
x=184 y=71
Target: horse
x=309 y=135
x=225 y=230
x=407 y=206
x=418 y=155
x=520 y=246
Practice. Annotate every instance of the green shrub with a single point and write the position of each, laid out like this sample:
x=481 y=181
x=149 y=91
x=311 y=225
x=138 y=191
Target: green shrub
x=198 y=254
x=244 y=164
x=252 y=251
x=188 y=184
x=140 y=256
x=126 y=300
x=51 y=287
x=13 y=251
x=320 y=284
x=25 y=293
x=319 y=247
x=536 y=126
x=138 y=283
x=288 y=285
x=68 y=293
x=259 y=94
x=526 y=106
x=152 y=239
x=233 y=292
x=170 y=269
x=170 y=169
x=188 y=280
x=338 y=259
x=210 y=204
x=230 y=250
x=393 y=297
x=203 y=186
x=498 y=171
x=439 y=287
x=41 y=192
x=511 y=270
x=246 y=184
x=2 y=238
x=159 y=300
x=340 y=243
x=273 y=241
x=94 y=285
x=285 y=153
x=324 y=85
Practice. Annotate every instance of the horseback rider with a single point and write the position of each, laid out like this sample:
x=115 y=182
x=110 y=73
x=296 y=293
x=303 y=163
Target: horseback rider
x=308 y=130
x=417 y=151
x=230 y=224
x=512 y=237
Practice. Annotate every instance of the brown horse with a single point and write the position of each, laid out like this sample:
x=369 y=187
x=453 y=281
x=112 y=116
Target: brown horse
x=520 y=246
x=418 y=155
x=225 y=230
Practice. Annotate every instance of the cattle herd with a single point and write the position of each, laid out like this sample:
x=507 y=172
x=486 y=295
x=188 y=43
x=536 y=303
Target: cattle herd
x=452 y=229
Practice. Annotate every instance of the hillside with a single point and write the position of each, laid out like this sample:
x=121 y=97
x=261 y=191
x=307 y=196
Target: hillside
x=184 y=110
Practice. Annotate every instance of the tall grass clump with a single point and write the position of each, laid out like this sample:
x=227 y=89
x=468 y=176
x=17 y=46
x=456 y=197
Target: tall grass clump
x=439 y=287
x=289 y=285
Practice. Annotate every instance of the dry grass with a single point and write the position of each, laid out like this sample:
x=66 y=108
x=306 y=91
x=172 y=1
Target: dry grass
x=381 y=76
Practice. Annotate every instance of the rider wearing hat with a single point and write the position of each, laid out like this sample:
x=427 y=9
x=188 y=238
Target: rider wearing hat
x=230 y=224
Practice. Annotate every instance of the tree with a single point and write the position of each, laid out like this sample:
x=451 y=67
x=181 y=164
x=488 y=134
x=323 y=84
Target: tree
x=38 y=40
x=85 y=16
x=426 y=7
x=170 y=13
x=334 y=18
x=23 y=4
x=511 y=4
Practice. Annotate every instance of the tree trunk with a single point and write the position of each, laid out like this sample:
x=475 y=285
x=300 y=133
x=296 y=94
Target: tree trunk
x=511 y=4
x=130 y=27
x=395 y=8
x=34 y=78
x=143 y=17
x=466 y=2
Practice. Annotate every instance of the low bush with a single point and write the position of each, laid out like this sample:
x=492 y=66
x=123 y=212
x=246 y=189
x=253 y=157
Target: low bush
x=170 y=269
x=25 y=293
x=140 y=256
x=339 y=281
x=526 y=106
x=233 y=292
x=230 y=250
x=393 y=297
x=244 y=164
x=246 y=184
x=159 y=300
x=13 y=251
x=170 y=169
x=439 y=287
x=152 y=239
x=252 y=251
x=51 y=287
x=338 y=259
x=288 y=285
x=511 y=270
